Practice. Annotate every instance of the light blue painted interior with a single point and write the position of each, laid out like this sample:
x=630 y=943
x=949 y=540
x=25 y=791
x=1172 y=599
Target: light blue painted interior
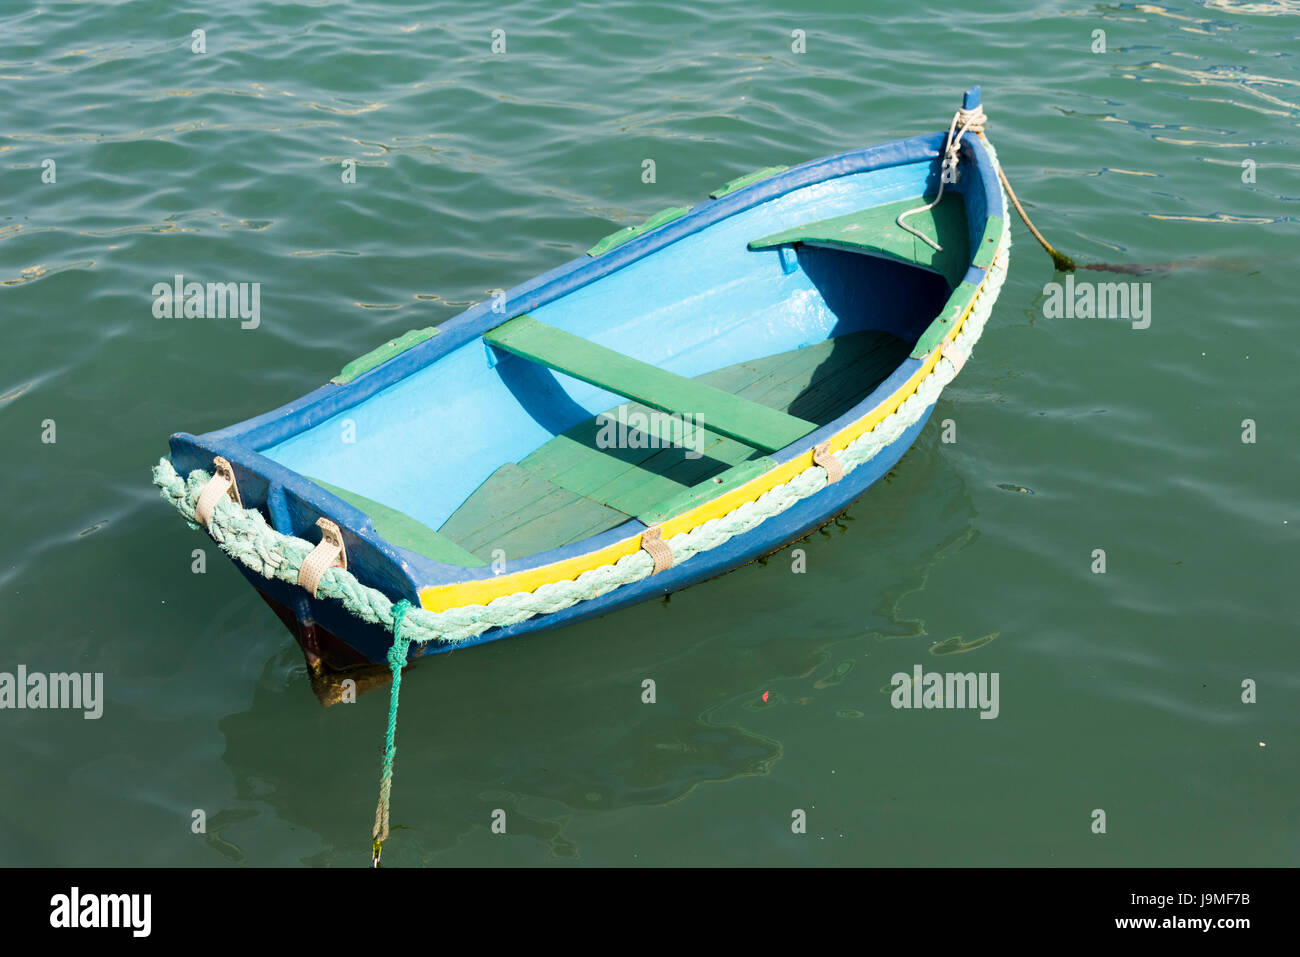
x=426 y=442
x=715 y=302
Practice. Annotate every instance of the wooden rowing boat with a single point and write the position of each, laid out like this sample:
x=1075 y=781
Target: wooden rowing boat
x=668 y=388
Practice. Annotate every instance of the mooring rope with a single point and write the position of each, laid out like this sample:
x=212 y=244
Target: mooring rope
x=973 y=121
x=970 y=121
x=1062 y=262
x=245 y=535
x=397 y=661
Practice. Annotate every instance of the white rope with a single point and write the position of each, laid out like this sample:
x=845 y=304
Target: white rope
x=245 y=535
x=970 y=121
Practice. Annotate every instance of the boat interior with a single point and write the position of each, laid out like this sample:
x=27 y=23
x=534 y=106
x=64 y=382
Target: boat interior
x=660 y=384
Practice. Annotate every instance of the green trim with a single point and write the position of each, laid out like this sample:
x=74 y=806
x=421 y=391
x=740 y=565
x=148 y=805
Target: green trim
x=740 y=182
x=687 y=499
x=405 y=532
x=756 y=425
x=631 y=232
x=381 y=354
x=942 y=325
x=988 y=247
x=962 y=295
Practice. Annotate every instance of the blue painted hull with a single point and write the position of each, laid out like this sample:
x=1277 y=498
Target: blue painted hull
x=273 y=454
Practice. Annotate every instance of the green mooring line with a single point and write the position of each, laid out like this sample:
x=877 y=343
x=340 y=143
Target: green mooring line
x=396 y=661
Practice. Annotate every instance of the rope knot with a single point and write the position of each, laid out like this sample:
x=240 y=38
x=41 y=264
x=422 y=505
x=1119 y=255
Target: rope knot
x=963 y=122
x=972 y=120
x=397 y=650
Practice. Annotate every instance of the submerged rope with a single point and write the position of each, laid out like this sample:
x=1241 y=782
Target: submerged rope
x=396 y=661
x=245 y=535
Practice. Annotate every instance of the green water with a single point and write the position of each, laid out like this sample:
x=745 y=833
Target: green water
x=1118 y=691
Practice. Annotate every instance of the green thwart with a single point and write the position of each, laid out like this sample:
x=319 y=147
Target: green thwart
x=876 y=232
x=746 y=421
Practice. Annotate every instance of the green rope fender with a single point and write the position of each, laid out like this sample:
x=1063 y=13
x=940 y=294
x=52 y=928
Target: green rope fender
x=396 y=661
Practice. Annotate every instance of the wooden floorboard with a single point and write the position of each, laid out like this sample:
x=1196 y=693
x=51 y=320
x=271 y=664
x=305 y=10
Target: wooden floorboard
x=522 y=513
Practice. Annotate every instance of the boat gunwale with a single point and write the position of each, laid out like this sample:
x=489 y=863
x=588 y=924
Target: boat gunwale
x=428 y=578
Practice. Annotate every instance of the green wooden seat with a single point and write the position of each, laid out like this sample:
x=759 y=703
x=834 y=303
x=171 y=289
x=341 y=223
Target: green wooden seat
x=817 y=383
x=876 y=232
x=749 y=422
